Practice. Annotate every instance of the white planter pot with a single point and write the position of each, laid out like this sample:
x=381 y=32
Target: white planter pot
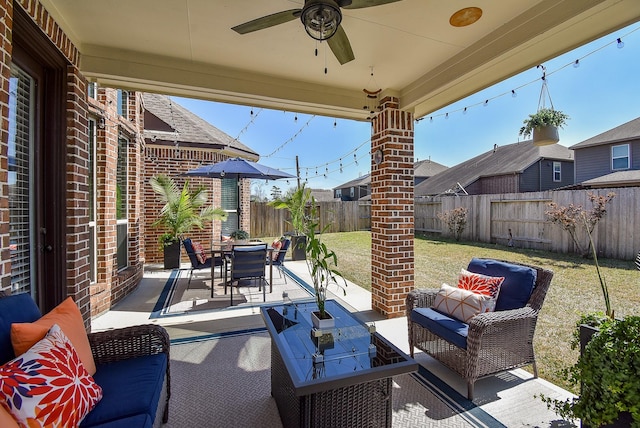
x=322 y=324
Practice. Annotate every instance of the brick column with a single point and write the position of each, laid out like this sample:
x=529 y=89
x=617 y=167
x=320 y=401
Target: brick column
x=392 y=221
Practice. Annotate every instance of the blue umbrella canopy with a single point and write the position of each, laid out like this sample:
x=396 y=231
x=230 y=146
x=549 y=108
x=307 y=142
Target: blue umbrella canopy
x=238 y=168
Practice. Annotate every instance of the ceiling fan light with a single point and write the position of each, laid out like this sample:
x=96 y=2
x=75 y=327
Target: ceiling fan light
x=321 y=19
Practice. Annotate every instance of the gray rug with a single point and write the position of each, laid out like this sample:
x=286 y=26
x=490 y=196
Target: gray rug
x=178 y=297
x=224 y=381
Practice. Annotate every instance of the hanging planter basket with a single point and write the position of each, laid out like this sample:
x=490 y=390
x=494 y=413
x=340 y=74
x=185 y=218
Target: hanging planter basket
x=545 y=135
x=543 y=125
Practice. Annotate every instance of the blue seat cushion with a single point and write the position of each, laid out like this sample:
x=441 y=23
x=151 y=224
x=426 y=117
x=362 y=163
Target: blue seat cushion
x=448 y=328
x=129 y=388
x=518 y=281
x=16 y=308
x=141 y=420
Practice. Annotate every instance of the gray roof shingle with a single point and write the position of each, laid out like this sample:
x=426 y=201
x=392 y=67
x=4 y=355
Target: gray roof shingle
x=509 y=159
x=177 y=124
x=624 y=132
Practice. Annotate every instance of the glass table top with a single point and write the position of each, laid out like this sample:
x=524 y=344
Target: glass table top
x=349 y=348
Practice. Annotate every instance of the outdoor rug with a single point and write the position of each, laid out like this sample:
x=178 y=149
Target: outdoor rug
x=224 y=380
x=178 y=297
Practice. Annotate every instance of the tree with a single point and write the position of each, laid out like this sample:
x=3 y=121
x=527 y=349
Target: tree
x=574 y=217
x=276 y=193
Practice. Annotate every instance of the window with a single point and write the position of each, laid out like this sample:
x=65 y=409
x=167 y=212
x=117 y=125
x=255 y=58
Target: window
x=123 y=103
x=229 y=196
x=121 y=203
x=557 y=171
x=92 y=90
x=20 y=153
x=620 y=157
x=352 y=192
x=338 y=193
x=92 y=200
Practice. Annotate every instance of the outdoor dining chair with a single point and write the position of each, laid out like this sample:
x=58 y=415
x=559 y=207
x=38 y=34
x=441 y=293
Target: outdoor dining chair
x=248 y=262
x=199 y=260
x=278 y=259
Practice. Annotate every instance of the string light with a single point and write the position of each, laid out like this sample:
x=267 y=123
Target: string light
x=464 y=111
x=575 y=63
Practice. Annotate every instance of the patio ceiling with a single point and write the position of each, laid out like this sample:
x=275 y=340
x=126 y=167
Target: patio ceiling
x=187 y=48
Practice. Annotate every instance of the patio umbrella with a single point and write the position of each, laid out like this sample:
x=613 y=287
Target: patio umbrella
x=238 y=168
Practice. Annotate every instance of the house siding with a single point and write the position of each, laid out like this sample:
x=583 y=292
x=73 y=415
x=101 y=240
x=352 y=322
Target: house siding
x=593 y=162
x=539 y=176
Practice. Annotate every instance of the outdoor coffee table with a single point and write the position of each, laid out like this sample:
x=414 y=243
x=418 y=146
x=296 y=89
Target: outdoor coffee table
x=340 y=378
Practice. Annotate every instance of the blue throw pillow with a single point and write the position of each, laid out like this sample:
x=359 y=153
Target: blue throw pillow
x=16 y=308
x=518 y=281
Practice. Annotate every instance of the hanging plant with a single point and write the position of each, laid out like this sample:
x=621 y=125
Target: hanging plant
x=543 y=125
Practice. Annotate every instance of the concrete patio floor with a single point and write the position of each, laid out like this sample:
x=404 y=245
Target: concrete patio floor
x=510 y=397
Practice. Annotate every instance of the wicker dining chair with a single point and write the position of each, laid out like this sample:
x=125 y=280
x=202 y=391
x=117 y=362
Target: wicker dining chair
x=495 y=341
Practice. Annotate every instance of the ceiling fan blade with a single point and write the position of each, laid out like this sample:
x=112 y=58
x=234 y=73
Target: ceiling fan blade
x=267 y=21
x=360 y=4
x=340 y=46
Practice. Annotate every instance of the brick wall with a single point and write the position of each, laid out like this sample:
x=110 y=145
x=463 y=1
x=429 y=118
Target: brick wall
x=392 y=222
x=167 y=160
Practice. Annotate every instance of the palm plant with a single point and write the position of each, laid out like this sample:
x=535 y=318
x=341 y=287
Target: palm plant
x=183 y=209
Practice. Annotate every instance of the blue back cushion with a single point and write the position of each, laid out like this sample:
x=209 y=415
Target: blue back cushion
x=518 y=281
x=16 y=308
x=129 y=387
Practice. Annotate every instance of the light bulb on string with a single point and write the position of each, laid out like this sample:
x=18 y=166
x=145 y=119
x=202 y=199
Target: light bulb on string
x=620 y=43
x=431 y=119
x=486 y=103
x=335 y=123
x=446 y=116
x=464 y=111
x=295 y=117
x=576 y=64
x=251 y=113
x=513 y=93
x=355 y=158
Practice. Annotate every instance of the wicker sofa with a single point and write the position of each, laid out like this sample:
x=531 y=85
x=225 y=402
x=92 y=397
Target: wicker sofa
x=132 y=367
x=490 y=342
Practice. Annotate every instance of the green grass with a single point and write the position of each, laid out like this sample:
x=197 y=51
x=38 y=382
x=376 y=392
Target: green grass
x=574 y=289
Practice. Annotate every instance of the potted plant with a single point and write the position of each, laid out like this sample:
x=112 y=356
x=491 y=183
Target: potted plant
x=607 y=368
x=183 y=211
x=239 y=235
x=322 y=265
x=544 y=126
x=296 y=203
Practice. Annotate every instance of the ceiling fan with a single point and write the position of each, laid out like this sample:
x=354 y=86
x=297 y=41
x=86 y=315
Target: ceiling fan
x=321 y=20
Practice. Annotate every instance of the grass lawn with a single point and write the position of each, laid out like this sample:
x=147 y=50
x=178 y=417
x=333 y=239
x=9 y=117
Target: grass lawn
x=574 y=289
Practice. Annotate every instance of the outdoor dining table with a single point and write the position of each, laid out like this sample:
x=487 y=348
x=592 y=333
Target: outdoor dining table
x=224 y=249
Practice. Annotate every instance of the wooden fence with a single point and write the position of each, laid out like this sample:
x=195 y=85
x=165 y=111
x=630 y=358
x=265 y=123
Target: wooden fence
x=519 y=217
x=341 y=216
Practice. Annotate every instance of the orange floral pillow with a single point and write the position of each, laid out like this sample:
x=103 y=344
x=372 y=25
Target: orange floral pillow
x=481 y=284
x=276 y=245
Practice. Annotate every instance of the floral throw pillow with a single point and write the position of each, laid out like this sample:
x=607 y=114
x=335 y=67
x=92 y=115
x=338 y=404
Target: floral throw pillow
x=276 y=245
x=459 y=303
x=199 y=250
x=481 y=284
x=48 y=385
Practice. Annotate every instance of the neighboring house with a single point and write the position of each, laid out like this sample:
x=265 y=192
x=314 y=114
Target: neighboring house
x=322 y=195
x=177 y=141
x=610 y=159
x=360 y=188
x=519 y=167
x=425 y=169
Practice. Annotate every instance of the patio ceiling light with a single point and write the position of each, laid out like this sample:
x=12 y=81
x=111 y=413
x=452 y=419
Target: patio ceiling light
x=321 y=19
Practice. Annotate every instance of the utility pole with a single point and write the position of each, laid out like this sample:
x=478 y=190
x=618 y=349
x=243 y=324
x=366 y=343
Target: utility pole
x=298 y=171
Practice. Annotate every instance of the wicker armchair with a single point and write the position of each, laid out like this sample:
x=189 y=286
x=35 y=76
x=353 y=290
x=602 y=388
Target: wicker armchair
x=496 y=341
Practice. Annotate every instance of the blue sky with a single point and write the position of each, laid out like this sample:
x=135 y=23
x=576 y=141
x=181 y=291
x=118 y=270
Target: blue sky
x=602 y=93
